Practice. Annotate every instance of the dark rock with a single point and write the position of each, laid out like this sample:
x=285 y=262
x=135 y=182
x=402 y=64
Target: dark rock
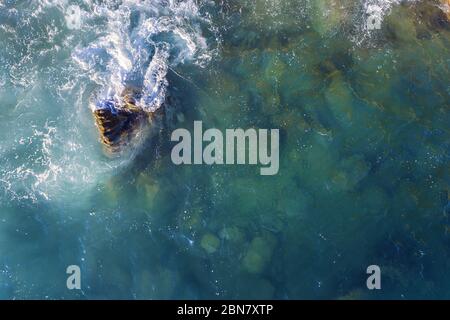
x=119 y=122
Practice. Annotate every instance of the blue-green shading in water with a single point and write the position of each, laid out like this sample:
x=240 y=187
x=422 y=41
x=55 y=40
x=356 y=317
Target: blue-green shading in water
x=364 y=152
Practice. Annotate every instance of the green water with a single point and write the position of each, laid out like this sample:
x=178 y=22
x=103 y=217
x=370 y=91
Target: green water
x=364 y=163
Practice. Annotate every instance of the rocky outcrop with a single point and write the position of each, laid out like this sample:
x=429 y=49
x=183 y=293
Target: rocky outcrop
x=119 y=121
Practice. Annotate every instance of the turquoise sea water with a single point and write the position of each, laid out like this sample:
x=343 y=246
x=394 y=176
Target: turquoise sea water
x=364 y=172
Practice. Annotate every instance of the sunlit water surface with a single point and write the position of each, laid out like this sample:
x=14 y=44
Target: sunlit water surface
x=364 y=150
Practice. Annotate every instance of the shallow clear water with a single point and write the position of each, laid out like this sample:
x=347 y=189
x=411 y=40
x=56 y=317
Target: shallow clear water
x=364 y=150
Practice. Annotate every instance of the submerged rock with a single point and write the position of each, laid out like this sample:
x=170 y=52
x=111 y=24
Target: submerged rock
x=156 y=284
x=400 y=25
x=210 y=243
x=296 y=207
x=148 y=188
x=329 y=16
x=355 y=294
x=435 y=17
x=350 y=172
x=111 y=191
x=375 y=200
x=259 y=254
x=233 y=234
x=191 y=221
x=339 y=98
x=253 y=287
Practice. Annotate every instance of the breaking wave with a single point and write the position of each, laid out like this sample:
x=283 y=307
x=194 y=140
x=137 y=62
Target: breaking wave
x=139 y=42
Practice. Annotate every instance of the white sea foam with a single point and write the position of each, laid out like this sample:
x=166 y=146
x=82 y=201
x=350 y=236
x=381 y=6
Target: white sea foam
x=141 y=40
x=370 y=18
